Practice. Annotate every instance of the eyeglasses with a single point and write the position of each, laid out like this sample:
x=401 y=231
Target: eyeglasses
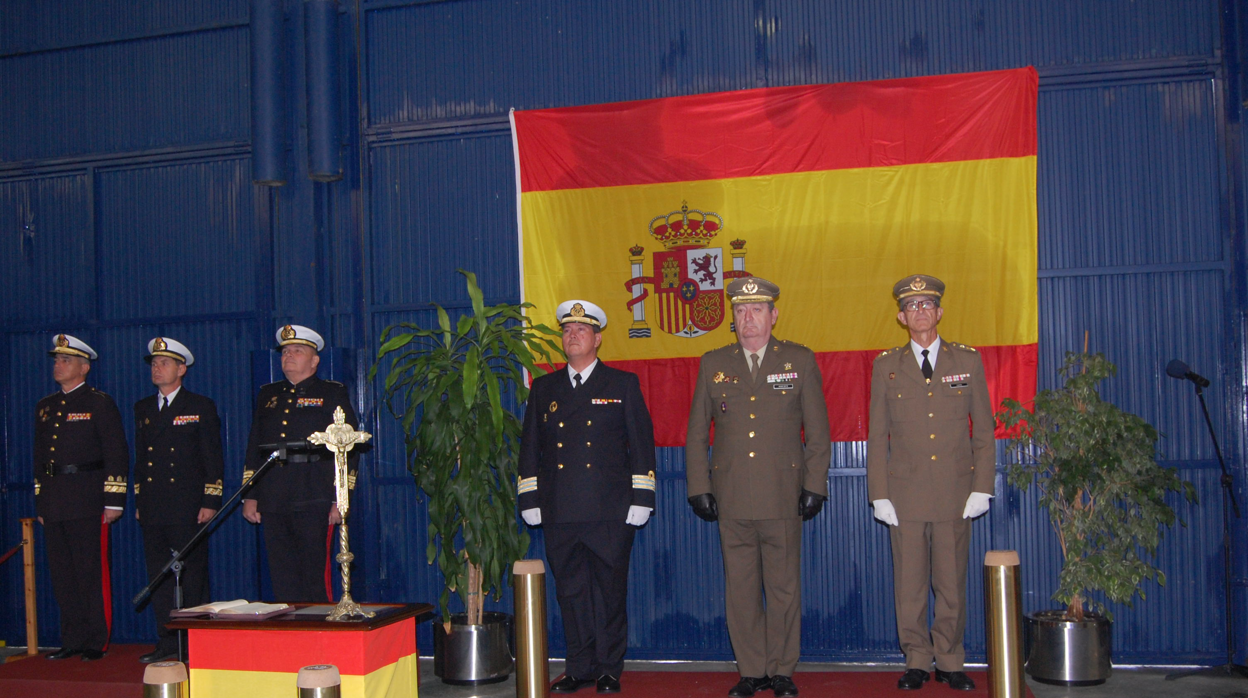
x=915 y=305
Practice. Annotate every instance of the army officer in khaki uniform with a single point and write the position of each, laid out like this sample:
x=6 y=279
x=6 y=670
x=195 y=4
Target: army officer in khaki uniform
x=762 y=481
x=928 y=475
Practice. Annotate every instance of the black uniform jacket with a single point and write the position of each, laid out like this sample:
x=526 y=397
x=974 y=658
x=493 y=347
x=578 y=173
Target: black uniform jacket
x=81 y=428
x=177 y=459
x=286 y=412
x=587 y=454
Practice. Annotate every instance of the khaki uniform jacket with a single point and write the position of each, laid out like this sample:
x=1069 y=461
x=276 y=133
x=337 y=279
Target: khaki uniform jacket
x=760 y=463
x=921 y=454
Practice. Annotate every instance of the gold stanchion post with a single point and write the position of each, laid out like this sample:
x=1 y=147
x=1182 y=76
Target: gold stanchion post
x=1004 y=618
x=319 y=681
x=532 y=659
x=165 y=680
x=28 y=571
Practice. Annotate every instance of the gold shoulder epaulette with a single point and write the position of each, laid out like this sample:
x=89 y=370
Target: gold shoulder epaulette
x=963 y=346
x=335 y=383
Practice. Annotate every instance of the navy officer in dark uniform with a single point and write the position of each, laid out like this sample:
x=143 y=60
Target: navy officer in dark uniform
x=296 y=497
x=80 y=481
x=587 y=475
x=177 y=482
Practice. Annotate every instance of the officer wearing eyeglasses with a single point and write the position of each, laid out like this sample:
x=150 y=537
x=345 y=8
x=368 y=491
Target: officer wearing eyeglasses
x=928 y=475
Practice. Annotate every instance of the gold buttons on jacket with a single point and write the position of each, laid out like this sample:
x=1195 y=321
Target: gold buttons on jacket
x=929 y=414
x=287 y=410
x=751 y=454
x=282 y=435
x=929 y=394
x=588 y=443
x=751 y=435
x=752 y=398
x=561 y=466
x=560 y=423
x=559 y=445
x=283 y=422
x=149 y=448
x=589 y=423
x=587 y=465
x=751 y=416
x=933 y=436
x=54 y=436
x=933 y=457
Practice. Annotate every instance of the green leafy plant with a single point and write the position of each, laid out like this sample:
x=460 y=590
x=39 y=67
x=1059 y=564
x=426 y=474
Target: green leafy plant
x=445 y=386
x=1099 y=480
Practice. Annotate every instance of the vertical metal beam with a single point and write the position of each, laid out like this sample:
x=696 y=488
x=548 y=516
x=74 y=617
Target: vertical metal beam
x=268 y=94
x=320 y=33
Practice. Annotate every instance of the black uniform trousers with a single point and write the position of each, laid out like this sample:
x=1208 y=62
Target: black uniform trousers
x=589 y=561
x=159 y=542
x=78 y=581
x=295 y=542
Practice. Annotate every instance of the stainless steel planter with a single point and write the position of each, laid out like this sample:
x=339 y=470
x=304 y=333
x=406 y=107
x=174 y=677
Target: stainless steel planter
x=1066 y=652
x=473 y=654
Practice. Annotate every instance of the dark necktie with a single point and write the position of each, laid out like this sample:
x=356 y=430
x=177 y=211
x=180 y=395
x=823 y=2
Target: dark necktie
x=927 y=366
x=164 y=402
x=576 y=381
x=753 y=366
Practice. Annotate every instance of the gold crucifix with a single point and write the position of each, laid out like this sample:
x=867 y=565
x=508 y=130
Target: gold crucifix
x=340 y=438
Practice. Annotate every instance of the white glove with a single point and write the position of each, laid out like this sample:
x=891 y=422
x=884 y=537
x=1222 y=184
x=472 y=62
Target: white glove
x=638 y=516
x=885 y=512
x=976 y=504
x=532 y=517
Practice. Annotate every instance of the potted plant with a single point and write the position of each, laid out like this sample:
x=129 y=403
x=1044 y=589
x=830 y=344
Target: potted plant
x=446 y=386
x=1098 y=477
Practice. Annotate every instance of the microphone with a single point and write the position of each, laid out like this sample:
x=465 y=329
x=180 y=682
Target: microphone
x=301 y=445
x=1180 y=370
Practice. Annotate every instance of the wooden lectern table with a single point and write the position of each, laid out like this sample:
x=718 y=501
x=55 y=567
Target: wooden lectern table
x=261 y=658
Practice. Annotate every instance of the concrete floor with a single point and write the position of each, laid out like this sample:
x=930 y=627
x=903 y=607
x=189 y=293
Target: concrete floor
x=1131 y=682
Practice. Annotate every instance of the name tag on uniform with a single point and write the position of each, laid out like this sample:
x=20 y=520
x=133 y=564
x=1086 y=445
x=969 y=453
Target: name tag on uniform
x=782 y=386
x=782 y=377
x=310 y=402
x=606 y=401
x=77 y=416
x=185 y=419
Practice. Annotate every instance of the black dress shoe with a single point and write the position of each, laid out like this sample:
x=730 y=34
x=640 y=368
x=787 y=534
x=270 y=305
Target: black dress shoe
x=912 y=680
x=64 y=653
x=748 y=685
x=570 y=684
x=783 y=686
x=608 y=684
x=957 y=680
x=91 y=655
x=158 y=655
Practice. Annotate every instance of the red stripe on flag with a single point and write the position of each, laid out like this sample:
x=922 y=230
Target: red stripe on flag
x=355 y=653
x=780 y=130
x=668 y=388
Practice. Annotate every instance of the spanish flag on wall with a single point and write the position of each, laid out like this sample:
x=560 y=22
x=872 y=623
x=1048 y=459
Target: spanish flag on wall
x=833 y=192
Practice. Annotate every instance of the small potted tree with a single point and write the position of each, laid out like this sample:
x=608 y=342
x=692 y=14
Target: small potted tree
x=1098 y=478
x=446 y=386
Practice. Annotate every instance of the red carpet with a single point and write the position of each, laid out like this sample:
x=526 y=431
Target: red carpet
x=118 y=675
x=858 y=684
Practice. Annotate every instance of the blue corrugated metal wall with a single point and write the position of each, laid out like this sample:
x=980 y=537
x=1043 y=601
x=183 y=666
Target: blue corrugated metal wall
x=124 y=159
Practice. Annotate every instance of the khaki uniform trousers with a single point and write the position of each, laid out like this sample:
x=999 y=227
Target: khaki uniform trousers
x=763 y=557
x=931 y=555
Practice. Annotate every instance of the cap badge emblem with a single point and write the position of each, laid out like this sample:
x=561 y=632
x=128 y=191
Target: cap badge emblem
x=918 y=284
x=61 y=341
x=554 y=406
x=578 y=310
x=750 y=287
x=288 y=332
x=159 y=345
x=788 y=366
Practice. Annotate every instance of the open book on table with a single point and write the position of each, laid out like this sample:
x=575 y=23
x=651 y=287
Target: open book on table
x=238 y=609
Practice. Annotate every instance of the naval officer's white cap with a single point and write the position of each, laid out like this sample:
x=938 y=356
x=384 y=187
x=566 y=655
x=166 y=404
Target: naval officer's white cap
x=581 y=311
x=298 y=334
x=72 y=346
x=172 y=348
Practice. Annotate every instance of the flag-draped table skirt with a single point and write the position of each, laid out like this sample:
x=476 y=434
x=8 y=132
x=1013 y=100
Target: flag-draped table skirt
x=376 y=657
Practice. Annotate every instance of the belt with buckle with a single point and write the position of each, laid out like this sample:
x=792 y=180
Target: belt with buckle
x=72 y=468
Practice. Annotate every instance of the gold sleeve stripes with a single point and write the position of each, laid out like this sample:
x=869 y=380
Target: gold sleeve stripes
x=213 y=489
x=644 y=482
x=115 y=484
x=527 y=484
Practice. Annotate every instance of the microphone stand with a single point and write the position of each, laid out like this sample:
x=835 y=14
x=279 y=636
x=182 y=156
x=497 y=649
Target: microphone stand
x=1228 y=496
x=175 y=565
